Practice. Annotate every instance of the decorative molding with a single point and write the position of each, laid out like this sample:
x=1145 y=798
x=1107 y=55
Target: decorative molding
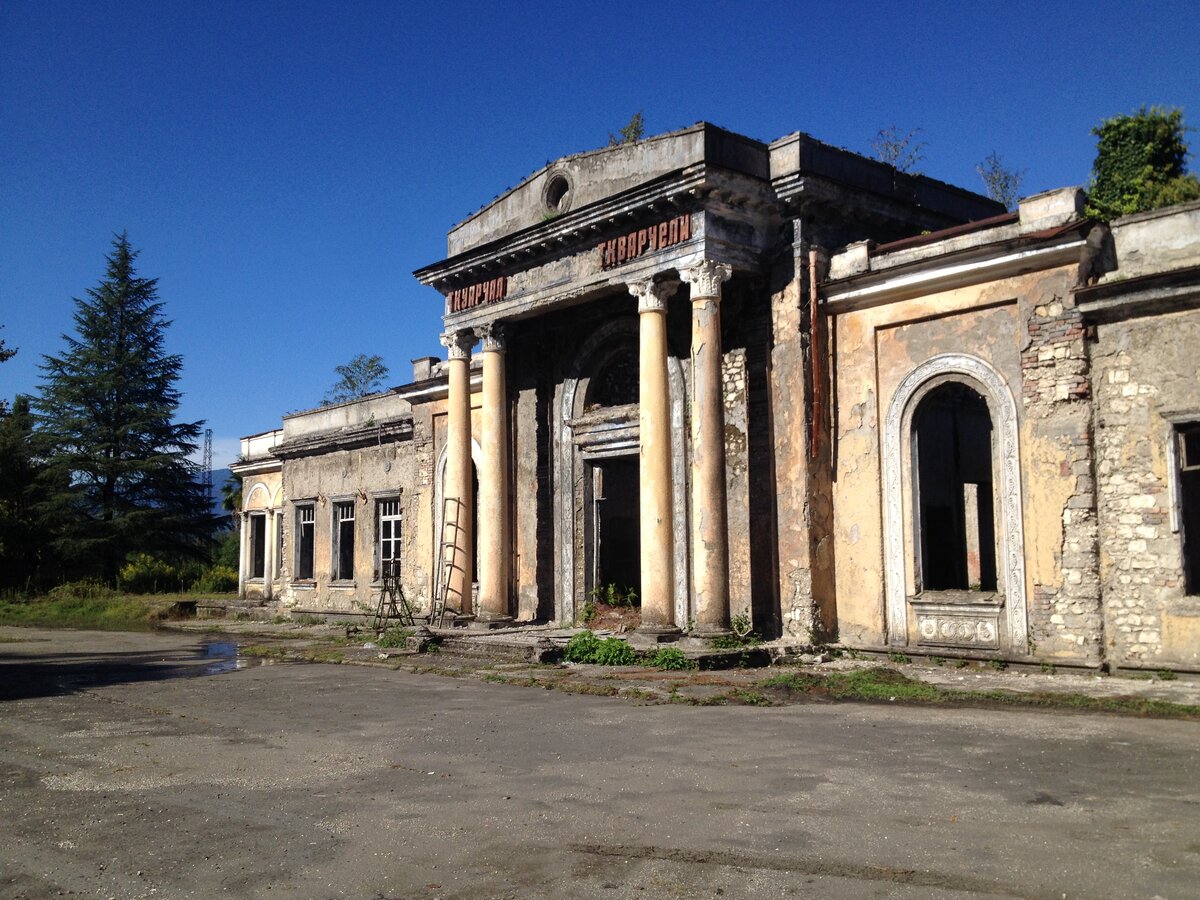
x=706 y=278
x=897 y=429
x=494 y=336
x=458 y=344
x=652 y=296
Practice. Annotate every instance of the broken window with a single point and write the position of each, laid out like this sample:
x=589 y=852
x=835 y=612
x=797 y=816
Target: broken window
x=258 y=545
x=952 y=440
x=305 y=541
x=343 y=541
x=387 y=527
x=616 y=384
x=1188 y=452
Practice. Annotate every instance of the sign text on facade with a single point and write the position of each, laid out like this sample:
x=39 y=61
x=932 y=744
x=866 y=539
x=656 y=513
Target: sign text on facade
x=616 y=251
x=485 y=292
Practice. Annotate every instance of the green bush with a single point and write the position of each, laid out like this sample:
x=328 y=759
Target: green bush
x=216 y=580
x=89 y=589
x=670 y=659
x=144 y=574
x=394 y=637
x=581 y=648
x=585 y=647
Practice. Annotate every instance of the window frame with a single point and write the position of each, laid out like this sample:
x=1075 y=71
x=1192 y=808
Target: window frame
x=303 y=508
x=396 y=519
x=336 y=573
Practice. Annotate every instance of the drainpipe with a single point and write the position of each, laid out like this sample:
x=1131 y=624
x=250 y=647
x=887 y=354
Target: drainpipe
x=814 y=349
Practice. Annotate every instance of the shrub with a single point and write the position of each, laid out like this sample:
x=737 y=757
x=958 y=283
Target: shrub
x=144 y=574
x=216 y=580
x=88 y=589
x=394 y=637
x=585 y=647
x=670 y=659
x=582 y=647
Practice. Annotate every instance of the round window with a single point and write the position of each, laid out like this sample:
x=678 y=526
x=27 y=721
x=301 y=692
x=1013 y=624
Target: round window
x=558 y=191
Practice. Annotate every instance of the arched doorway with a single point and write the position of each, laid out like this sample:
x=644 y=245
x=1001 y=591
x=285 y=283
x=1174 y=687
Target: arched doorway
x=952 y=457
x=952 y=423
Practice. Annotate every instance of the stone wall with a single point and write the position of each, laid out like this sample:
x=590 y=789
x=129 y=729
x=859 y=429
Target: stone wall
x=1144 y=372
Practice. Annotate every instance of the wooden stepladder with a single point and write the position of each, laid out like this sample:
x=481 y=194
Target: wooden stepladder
x=445 y=600
x=392 y=602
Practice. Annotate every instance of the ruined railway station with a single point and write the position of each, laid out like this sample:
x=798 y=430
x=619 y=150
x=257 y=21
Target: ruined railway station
x=780 y=384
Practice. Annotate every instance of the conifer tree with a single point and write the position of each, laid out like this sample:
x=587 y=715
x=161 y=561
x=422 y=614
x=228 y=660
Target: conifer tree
x=118 y=479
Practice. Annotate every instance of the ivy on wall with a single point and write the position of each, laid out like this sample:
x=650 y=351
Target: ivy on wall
x=1141 y=164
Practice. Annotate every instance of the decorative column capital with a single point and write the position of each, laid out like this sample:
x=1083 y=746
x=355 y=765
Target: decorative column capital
x=652 y=296
x=458 y=344
x=494 y=336
x=706 y=277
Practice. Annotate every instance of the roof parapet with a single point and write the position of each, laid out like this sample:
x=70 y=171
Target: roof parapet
x=1051 y=209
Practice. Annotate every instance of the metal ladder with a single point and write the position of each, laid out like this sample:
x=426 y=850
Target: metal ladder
x=446 y=561
x=392 y=602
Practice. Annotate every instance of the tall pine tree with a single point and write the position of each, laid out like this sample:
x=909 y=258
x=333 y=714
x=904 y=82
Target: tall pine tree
x=118 y=479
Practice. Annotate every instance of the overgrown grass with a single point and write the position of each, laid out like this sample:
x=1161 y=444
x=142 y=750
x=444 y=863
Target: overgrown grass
x=884 y=684
x=89 y=605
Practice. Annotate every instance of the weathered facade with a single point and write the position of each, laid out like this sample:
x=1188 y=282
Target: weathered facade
x=909 y=442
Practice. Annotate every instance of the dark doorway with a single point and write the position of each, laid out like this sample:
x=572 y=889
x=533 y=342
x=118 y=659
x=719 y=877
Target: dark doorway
x=258 y=546
x=618 y=523
x=952 y=440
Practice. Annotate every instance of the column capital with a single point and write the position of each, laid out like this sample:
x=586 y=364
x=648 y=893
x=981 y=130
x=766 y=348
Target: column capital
x=458 y=344
x=494 y=336
x=706 y=277
x=652 y=296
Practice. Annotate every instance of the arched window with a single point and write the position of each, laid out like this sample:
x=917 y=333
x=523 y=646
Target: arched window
x=616 y=381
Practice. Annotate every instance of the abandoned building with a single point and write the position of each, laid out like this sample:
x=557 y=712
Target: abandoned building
x=780 y=383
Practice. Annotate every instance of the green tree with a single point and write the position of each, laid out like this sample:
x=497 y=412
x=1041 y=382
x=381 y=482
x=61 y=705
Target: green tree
x=1141 y=164
x=634 y=131
x=361 y=376
x=118 y=478
x=20 y=529
x=1002 y=183
x=231 y=499
x=899 y=149
x=5 y=353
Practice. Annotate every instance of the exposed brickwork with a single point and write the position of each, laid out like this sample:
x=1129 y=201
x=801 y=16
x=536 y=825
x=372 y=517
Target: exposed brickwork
x=1066 y=617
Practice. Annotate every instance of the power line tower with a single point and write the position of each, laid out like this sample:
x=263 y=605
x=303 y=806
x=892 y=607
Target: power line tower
x=208 y=464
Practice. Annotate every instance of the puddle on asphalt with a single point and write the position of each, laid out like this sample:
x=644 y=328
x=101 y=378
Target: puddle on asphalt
x=224 y=657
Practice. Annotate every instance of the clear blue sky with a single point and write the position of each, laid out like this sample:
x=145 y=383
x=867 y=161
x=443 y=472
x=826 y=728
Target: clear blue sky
x=283 y=167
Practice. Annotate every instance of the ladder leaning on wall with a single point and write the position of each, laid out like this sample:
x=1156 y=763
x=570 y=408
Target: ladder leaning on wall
x=447 y=562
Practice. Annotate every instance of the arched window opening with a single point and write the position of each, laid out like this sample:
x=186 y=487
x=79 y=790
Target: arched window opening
x=952 y=441
x=616 y=382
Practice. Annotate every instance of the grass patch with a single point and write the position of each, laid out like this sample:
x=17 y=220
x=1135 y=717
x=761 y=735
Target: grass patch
x=884 y=684
x=90 y=605
x=585 y=647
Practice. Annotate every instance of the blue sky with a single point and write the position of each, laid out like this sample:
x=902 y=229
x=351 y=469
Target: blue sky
x=283 y=167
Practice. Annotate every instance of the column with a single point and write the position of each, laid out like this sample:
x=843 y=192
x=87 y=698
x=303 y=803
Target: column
x=710 y=529
x=269 y=524
x=243 y=549
x=458 y=500
x=494 y=546
x=654 y=429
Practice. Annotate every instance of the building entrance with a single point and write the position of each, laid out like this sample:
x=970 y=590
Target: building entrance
x=616 y=539
x=953 y=437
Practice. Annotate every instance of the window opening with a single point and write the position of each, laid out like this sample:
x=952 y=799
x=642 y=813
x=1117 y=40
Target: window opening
x=616 y=384
x=305 y=541
x=952 y=435
x=1188 y=451
x=387 y=526
x=278 y=562
x=343 y=541
x=258 y=545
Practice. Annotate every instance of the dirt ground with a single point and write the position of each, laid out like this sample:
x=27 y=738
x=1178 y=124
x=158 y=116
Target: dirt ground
x=163 y=765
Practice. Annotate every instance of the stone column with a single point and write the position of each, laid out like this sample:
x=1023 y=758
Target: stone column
x=269 y=539
x=458 y=482
x=710 y=529
x=654 y=430
x=495 y=549
x=243 y=550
